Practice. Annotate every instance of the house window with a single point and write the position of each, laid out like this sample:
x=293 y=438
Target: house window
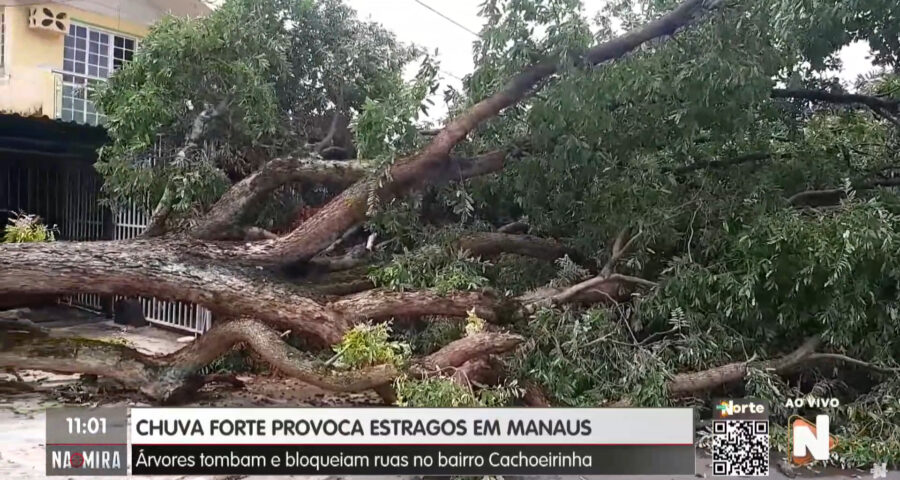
x=90 y=57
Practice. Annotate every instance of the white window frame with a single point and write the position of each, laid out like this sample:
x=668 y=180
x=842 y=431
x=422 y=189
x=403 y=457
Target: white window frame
x=3 y=58
x=79 y=82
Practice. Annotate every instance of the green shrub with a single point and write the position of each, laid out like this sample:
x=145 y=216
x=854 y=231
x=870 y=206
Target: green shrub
x=474 y=323
x=367 y=344
x=438 y=332
x=27 y=228
x=444 y=392
x=434 y=267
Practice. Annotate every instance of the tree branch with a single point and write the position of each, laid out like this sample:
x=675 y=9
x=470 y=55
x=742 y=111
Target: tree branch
x=619 y=249
x=689 y=383
x=837 y=357
x=173 y=377
x=873 y=102
x=833 y=196
x=227 y=216
x=887 y=115
x=485 y=370
x=431 y=164
x=608 y=286
x=466 y=348
x=491 y=244
x=157 y=224
x=178 y=270
x=333 y=127
x=349 y=208
x=535 y=396
x=515 y=227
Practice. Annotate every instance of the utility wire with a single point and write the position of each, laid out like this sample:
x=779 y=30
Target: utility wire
x=445 y=17
x=420 y=2
x=450 y=75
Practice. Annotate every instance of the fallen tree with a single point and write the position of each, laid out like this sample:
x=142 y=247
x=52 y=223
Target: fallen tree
x=625 y=210
x=235 y=280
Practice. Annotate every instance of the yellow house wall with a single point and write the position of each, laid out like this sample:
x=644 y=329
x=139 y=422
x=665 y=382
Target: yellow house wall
x=27 y=82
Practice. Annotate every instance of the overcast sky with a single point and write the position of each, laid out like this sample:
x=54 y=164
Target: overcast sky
x=415 y=23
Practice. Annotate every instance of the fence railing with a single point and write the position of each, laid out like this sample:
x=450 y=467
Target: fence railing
x=130 y=221
x=65 y=198
x=68 y=197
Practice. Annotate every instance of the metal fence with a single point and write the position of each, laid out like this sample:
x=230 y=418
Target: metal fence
x=82 y=220
x=67 y=198
x=130 y=221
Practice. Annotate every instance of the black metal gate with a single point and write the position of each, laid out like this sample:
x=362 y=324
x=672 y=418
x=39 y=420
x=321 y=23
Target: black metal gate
x=46 y=169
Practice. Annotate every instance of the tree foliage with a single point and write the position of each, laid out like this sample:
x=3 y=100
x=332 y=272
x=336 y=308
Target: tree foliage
x=277 y=72
x=367 y=345
x=654 y=144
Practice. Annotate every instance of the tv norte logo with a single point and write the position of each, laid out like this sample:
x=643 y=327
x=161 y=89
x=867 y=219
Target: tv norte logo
x=729 y=408
x=810 y=441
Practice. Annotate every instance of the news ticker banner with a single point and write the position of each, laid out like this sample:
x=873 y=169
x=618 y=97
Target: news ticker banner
x=395 y=441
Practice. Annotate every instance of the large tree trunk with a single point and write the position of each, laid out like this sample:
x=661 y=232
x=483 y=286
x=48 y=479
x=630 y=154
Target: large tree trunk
x=172 y=269
x=171 y=377
x=490 y=244
x=213 y=274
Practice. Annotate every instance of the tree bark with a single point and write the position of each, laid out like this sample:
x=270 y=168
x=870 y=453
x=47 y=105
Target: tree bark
x=157 y=224
x=534 y=396
x=491 y=244
x=171 y=269
x=871 y=101
x=487 y=370
x=460 y=351
x=349 y=208
x=228 y=216
x=689 y=383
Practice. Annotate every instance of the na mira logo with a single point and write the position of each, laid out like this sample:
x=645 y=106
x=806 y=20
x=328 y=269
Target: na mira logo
x=89 y=460
x=809 y=441
x=728 y=408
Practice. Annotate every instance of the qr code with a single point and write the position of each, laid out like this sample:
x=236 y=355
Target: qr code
x=740 y=448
